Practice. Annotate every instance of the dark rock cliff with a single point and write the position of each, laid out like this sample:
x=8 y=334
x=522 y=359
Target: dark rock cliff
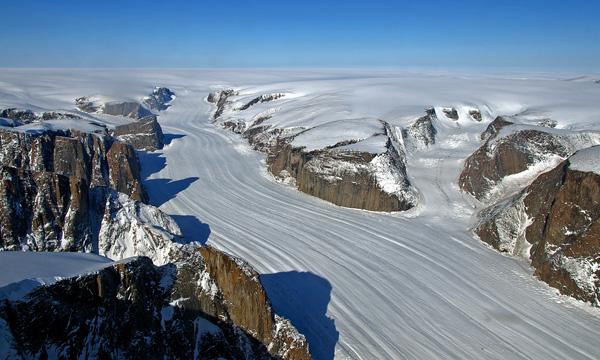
x=145 y=134
x=511 y=154
x=555 y=222
x=160 y=99
x=342 y=176
x=134 y=309
x=54 y=187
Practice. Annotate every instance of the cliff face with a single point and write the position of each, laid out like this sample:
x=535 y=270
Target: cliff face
x=511 y=149
x=343 y=178
x=134 y=309
x=145 y=134
x=74 y=191
x=92 y=158
x=554 y=222
x=54 y=185
x=43 y=211
x=365 y=177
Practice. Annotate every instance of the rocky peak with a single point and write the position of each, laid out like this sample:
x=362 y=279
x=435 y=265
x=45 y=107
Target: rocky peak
x=421 y=133
x=219 y=98
x=261 y=99
x=160 y=98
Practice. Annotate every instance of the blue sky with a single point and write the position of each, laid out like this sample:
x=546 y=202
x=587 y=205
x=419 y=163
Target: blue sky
x=527 y=34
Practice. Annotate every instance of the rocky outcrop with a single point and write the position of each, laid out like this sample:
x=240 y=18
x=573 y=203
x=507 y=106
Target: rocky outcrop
x=43 y=211
x=248 y=306
x=132 y=109
x=134 y=309
x=55 y=185
x=219 y=98
x=555 y=223
x=451 y=113
x=475 y=114
x=346 y=178
x=160 y=99
x=261 y=99
x=421 y=133
x=512 y=154
x=494 y=127
x=371 y=177
x=145 y=134
x=18 y=117
x=96 y=159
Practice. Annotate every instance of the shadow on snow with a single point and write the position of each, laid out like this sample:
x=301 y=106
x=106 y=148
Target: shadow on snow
x=162 y=190
x=302 y=297
x=168 y=138
x=192 y=228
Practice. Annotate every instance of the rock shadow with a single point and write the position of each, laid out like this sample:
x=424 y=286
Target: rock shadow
x=163 y=190
x=168 y=138
x=150 y=163
x=192 y=228
x=303 y=297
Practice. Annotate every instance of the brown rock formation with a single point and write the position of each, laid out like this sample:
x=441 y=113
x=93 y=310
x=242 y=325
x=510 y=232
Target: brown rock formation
x=343 y=178
x=43 y=211
x=511 y=154
x=136 y=310
x=54 y=187
x=96 y=159
x=145 y=134
x=558 y=215
x=247 y=305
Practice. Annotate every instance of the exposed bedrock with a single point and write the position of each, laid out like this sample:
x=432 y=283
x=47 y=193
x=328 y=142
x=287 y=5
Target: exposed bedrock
x=513 y=152
x=373 y=179
x=343 y=178
x=54 y=187
x=132 y=109
x=219 y=98
x=25 y=116
x=135 y=309
x=96 y=159
x=555 y=223
x=145 y=134
x=422 y=132
x=160 y=99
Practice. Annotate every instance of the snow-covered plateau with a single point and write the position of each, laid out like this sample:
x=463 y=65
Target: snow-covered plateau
x=358 y=284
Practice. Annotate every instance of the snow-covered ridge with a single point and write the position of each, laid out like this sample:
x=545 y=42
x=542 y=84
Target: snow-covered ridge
x=586 y=160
